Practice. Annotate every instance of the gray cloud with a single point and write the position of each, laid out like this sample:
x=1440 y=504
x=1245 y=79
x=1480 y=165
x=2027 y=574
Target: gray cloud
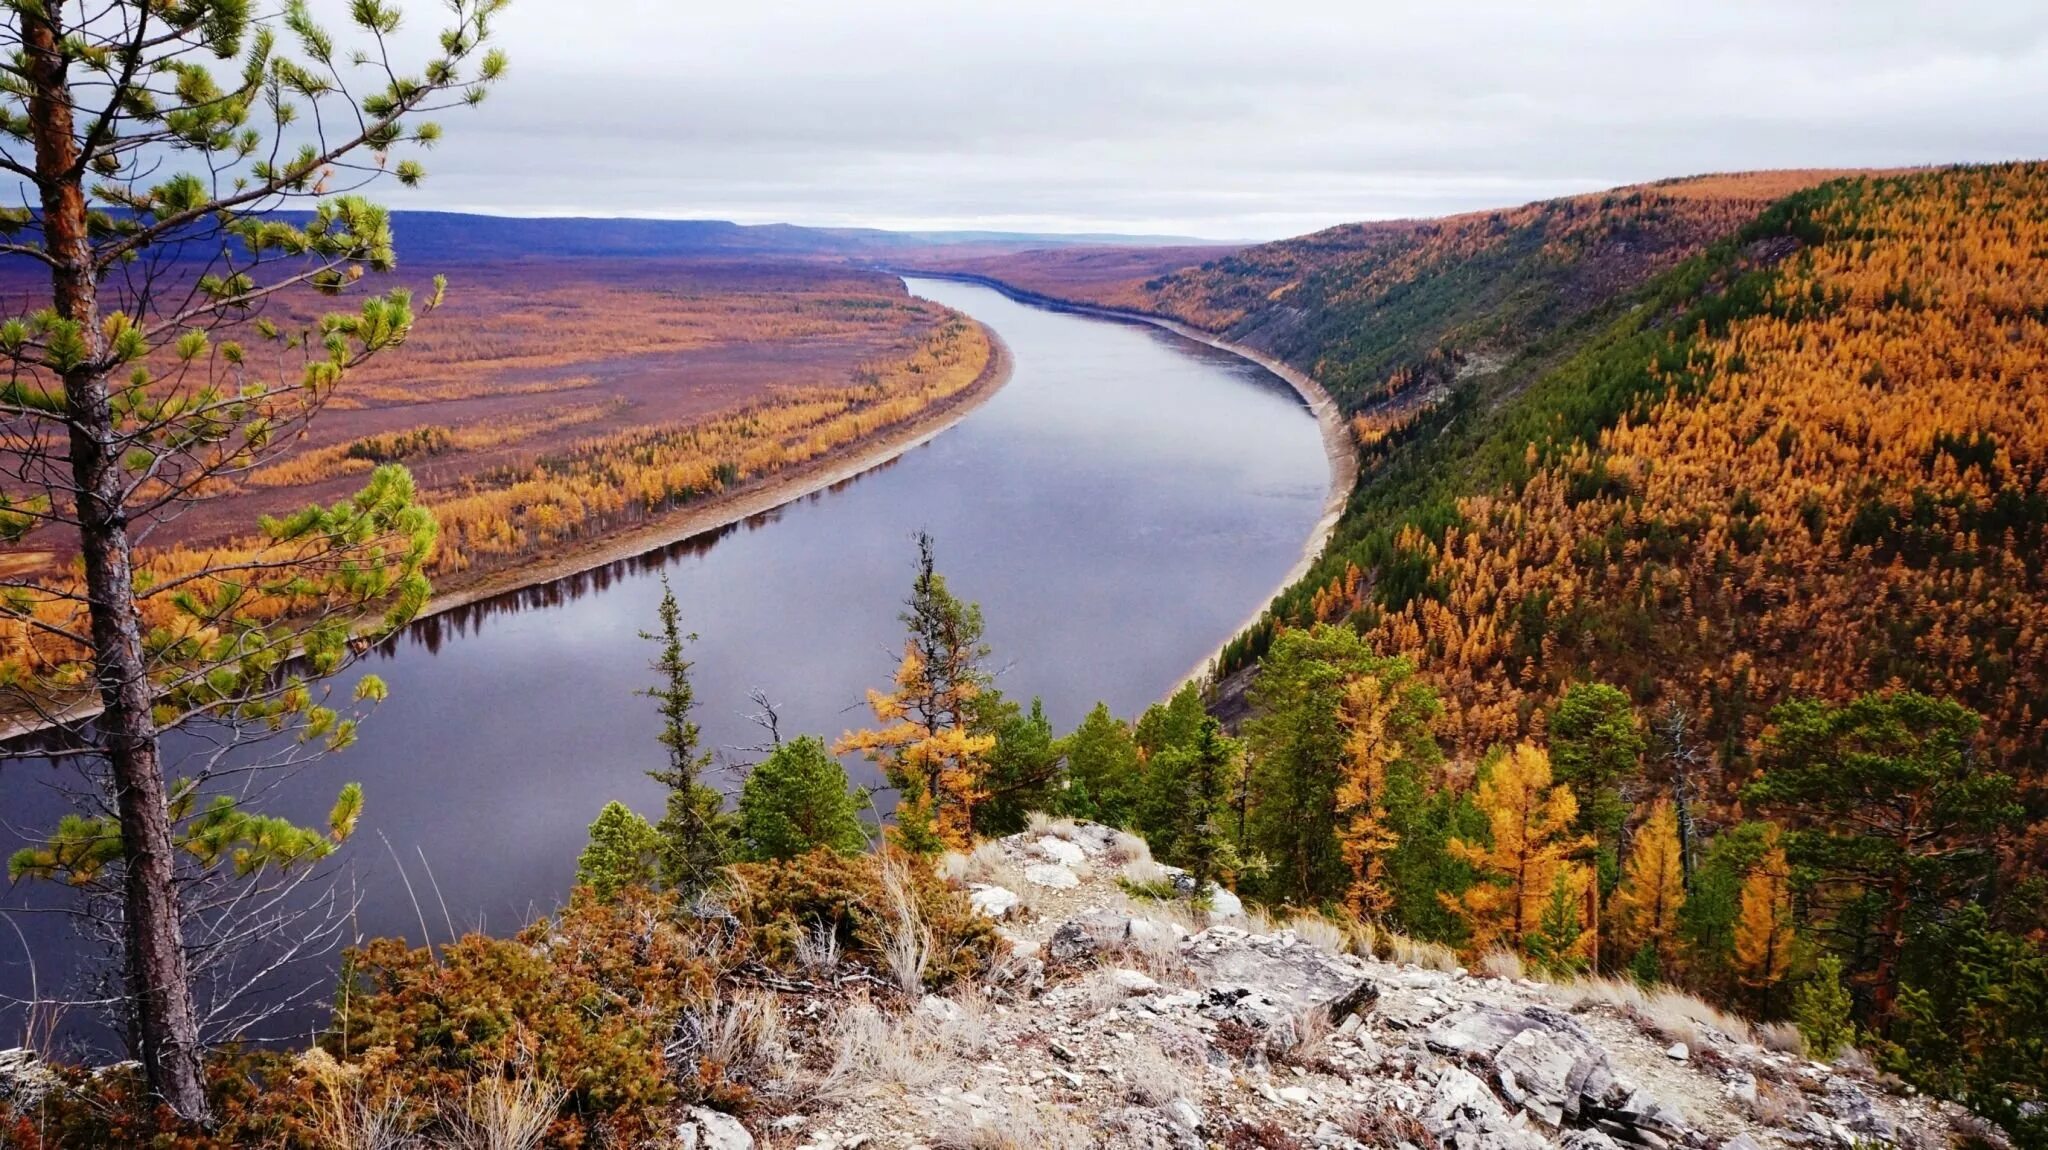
x=1226 y=120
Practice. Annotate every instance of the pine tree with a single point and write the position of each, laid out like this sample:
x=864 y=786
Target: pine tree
x=1192 y=786
x=1595 y=746
x=1562 y=942
x=1530 y=853
x=694 y=830
x=1645 y=907
x=1821 y=1009
x=796 y=801
x=1102 y=770
x=1891 y=804
x=930 y=742
x=624 y=850
x=143 y=135
x=1024 y=767
x=1763 y=925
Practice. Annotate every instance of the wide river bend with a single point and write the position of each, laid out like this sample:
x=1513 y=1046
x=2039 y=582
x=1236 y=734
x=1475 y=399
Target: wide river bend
x=1122 y=504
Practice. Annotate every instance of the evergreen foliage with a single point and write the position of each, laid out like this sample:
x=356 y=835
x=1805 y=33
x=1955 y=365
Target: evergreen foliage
x=694 y=829
x=1890 y=808
x=797 y=800
x=1821 y=1008
x=624 y=851
x=1024 y=770
x=1596 y=745
x=1102 y=770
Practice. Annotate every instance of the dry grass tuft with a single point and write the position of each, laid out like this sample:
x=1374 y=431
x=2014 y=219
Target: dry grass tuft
x=1501 y=962
x=1151 y=1077
x=1672 y=1015
x=1126 y=848
x=1782 y=1037
x=817 y=952
x=1321 y=933
x=872 y=1051
x=501 y=1114
x=1396 y=947
x=1040 y=823
x=906 y=940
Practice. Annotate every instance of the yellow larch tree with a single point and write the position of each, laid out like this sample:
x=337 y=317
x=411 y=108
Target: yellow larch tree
x=1763 y=923
x=928 y=738
x=1529 y=858
x=1644 y=908
x=1370 y=747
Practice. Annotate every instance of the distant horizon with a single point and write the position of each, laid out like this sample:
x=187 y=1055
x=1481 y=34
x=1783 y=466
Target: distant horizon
x=1206 y=119
x=994 y=226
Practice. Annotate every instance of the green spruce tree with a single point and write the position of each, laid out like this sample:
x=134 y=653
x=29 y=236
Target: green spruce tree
x=1102 y=770
x=1596 y=745
x=1821 y=1009
x=695 y=837
x=624 y=850
x=796 y=801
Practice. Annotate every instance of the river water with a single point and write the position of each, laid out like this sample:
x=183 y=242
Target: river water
x=1118 y=508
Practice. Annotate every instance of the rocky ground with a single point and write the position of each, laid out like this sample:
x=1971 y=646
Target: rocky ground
x=1126 y=1023
x=1122 y=1019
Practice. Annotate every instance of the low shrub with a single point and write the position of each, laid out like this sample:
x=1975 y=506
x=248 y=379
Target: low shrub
x=790 y=904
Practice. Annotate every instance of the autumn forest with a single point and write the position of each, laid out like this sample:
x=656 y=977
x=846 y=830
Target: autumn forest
x=1681 y=644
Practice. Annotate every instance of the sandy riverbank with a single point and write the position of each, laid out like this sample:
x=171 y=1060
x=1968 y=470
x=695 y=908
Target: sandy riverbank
x=1337 y=445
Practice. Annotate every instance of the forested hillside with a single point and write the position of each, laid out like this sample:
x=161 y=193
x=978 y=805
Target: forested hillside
x=1808 y=461
x=1687 y=617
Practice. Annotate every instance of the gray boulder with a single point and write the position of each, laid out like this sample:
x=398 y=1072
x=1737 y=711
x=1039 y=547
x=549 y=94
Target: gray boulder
x=706 y=1129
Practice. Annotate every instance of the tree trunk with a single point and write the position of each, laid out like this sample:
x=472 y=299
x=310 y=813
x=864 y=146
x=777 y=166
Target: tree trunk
x=1890 y=941
x=165 y=1027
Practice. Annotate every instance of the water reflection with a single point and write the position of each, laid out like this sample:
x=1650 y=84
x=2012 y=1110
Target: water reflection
x=1126 y=500
x=431 y=632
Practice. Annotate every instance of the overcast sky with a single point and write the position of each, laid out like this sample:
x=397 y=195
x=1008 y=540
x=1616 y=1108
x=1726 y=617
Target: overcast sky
x=1253 y=119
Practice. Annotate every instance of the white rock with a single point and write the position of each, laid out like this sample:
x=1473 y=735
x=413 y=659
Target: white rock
x=1298 y=1095
x=706 y=1129
x=24 y=1078
x=939 y=1009
x=1224 y=904
x=1051 y=875
x=1742 y=1087
x=1677 y=1052
x=1061 y=851
x=1133 y=981
x=993 y=901
x=1185 y=1114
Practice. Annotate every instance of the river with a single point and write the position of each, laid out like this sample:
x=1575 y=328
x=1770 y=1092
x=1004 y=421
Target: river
x=1124 y=502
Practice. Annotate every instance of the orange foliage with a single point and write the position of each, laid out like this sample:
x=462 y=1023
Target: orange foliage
x=1529 y=856
x=1846 y=489
x=1763 y=924
x=594 y=486
x=1645 y=906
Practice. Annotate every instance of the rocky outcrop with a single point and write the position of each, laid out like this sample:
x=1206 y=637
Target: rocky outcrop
x=1136 y=1023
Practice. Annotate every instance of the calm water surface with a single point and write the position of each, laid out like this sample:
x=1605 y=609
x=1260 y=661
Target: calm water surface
x=1118 y=508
